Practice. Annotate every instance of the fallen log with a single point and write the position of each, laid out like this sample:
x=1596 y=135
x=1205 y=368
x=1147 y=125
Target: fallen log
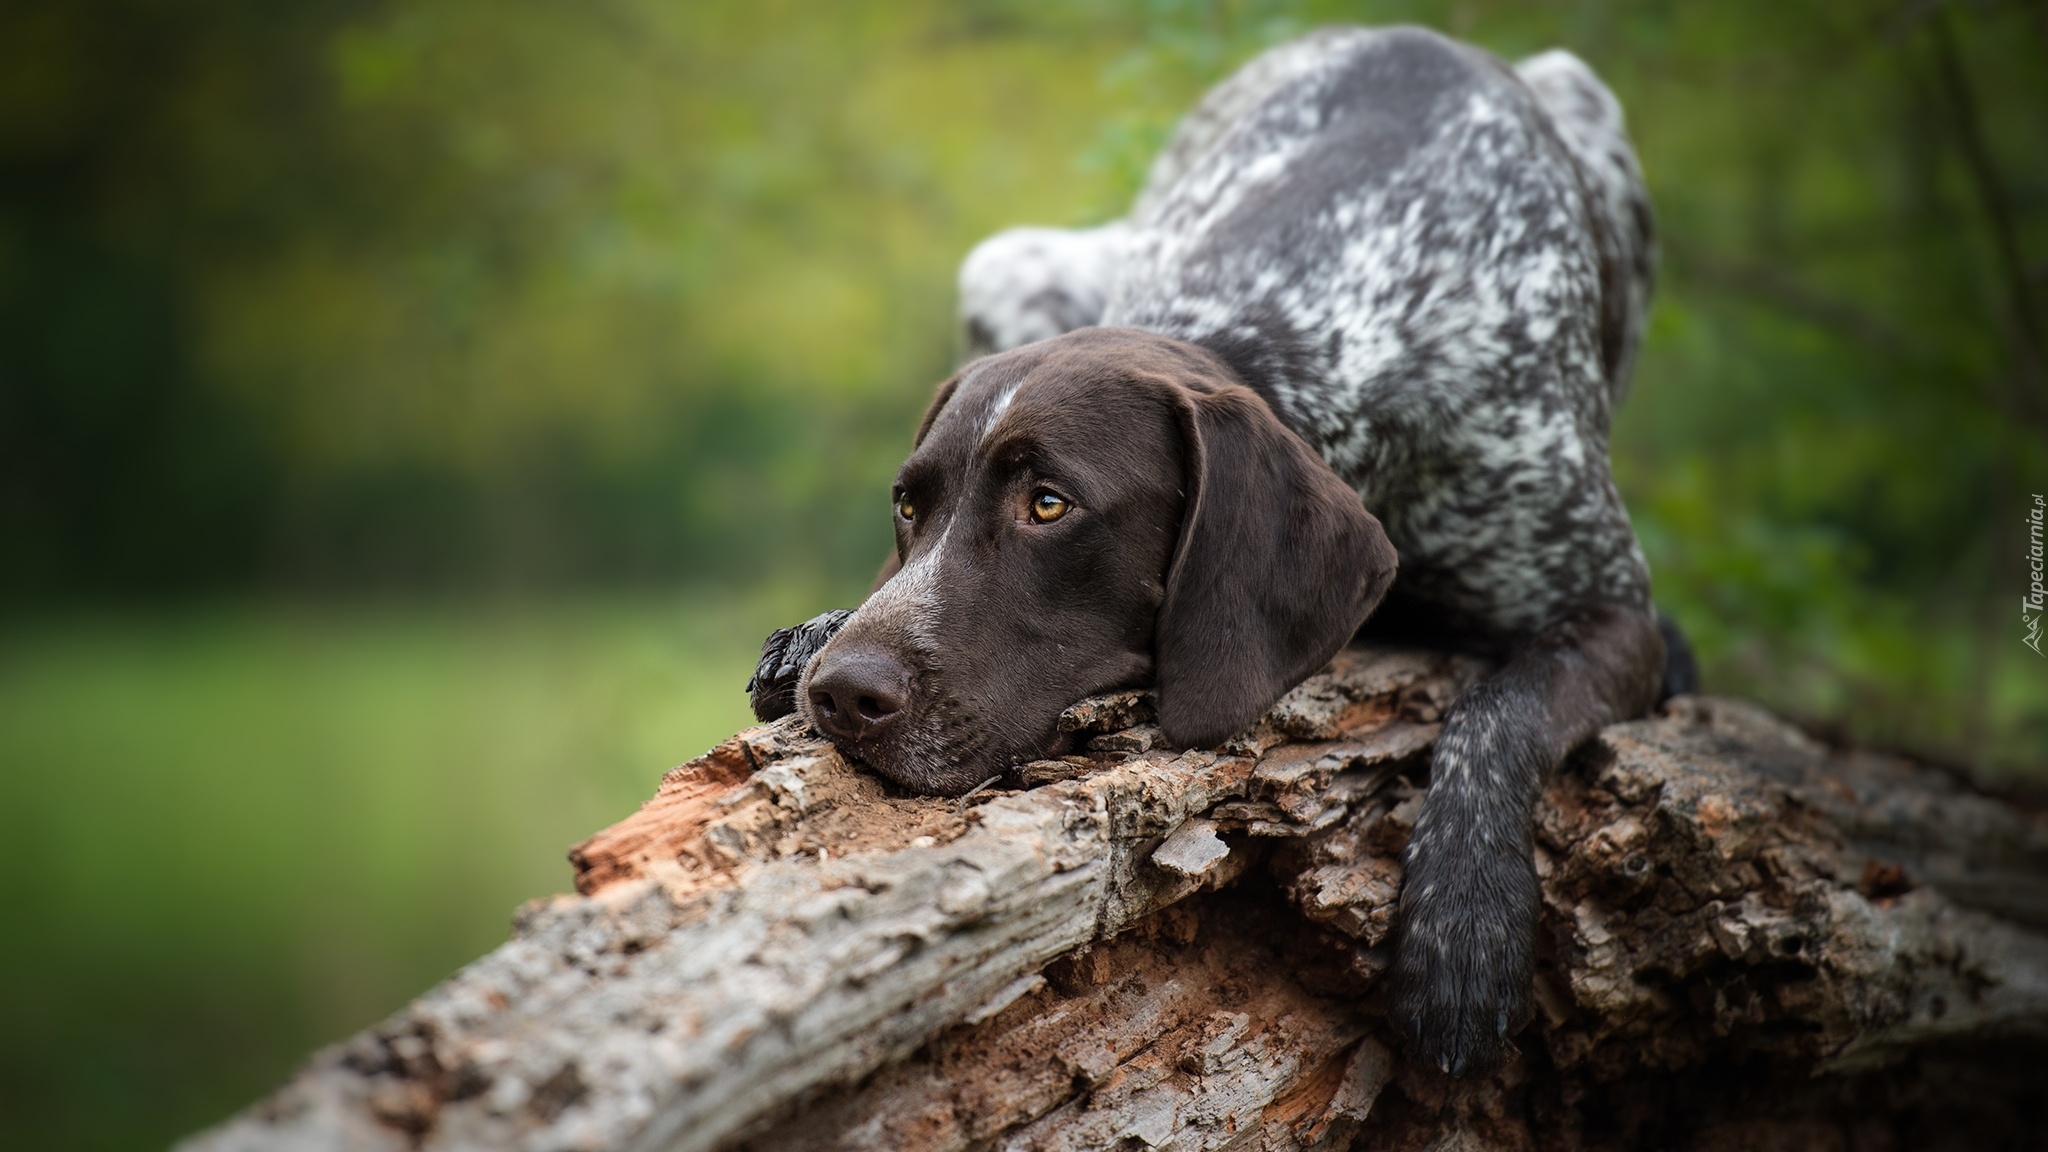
x=1747 y=936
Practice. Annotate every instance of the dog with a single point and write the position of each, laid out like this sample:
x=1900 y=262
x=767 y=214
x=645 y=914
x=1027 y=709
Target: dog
x=1353 y=354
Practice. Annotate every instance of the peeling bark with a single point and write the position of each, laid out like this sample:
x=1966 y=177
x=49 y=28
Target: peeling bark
x=1747 y=938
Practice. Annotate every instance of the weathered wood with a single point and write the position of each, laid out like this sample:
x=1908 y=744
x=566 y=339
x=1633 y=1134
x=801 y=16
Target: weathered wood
x=1185 y=1032
x=1181 y=949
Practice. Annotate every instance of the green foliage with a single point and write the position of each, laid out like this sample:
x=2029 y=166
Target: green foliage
x=521 y=292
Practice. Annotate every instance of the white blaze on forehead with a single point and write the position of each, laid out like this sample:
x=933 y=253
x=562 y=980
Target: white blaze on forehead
x=1002 y=405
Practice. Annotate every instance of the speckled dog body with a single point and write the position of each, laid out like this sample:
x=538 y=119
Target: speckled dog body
x=1435 y=270
x=1448 y=313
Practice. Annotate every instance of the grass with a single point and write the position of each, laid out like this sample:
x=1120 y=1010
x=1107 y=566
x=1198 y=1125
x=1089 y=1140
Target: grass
x=233 y=834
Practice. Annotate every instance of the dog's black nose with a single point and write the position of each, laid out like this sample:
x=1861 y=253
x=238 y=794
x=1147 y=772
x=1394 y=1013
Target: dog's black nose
x=857 y=693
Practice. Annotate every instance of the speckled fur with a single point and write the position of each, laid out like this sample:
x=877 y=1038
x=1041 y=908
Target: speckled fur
x=1029 y=284
x=1435 y=269
x=1448 y=314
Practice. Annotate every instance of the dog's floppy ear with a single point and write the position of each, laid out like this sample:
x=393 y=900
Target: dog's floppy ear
x=931 y=414
x=1278 y=564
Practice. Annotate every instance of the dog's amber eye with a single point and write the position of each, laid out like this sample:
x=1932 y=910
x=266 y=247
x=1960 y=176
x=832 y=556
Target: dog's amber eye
x=905 y=508
x=1046 y=507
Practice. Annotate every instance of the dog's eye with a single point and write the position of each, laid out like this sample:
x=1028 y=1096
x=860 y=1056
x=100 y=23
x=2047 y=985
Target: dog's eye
x=1046 y=507
x=906 y=508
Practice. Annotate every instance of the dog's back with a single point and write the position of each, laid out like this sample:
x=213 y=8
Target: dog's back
x=1394 y=242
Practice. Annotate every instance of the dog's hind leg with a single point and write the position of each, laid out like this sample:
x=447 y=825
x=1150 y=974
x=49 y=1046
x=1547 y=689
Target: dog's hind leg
x=1028 y=284
x=1681 y=670
x=1589 y=123
x=1467 y=926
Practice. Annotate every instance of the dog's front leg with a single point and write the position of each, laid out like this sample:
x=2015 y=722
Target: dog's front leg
x=784 y=656
x=788 y=651
x=1468 y=905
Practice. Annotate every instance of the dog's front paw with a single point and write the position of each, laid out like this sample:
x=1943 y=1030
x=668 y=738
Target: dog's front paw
x=1464 y=962
x=784 y=656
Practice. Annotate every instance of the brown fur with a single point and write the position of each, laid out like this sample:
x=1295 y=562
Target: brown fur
x=1208 y=550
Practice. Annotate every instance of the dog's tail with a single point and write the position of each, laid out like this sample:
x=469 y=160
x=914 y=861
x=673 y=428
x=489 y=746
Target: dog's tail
x=1589 y=122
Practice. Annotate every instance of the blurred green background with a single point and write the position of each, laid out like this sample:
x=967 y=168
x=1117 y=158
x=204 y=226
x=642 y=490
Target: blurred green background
x=413 y=414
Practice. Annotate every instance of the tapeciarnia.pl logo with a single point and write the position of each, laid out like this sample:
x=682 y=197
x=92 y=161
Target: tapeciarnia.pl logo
x=2031 y=605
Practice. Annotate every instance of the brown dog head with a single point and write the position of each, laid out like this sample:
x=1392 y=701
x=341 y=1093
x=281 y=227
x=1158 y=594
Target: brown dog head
x=1105 y=509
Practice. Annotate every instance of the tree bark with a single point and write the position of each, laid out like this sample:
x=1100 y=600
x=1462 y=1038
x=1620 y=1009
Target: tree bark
x=1748 y=937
